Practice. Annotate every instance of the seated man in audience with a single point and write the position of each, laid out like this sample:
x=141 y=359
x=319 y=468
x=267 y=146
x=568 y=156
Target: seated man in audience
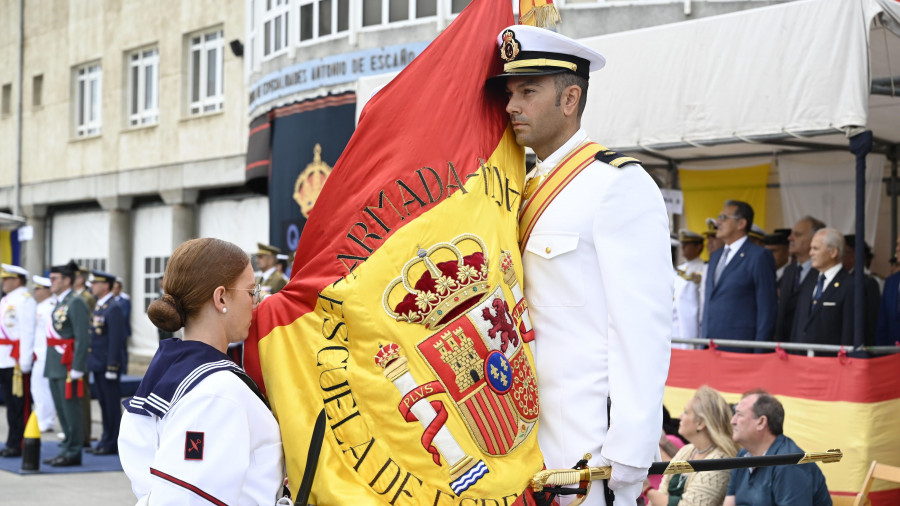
x=758 y=423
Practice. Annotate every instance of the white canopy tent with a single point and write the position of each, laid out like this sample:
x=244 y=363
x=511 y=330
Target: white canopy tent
x=796 y=69
x=758 y=81
x=793 y=78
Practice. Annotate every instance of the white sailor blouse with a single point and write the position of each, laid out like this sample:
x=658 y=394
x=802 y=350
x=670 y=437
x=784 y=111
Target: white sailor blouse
x=196 y=434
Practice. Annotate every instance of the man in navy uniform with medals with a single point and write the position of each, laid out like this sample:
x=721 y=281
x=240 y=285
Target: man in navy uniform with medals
x=109 y=334
x=598 y=269
x=17 y=310
x=67 y=347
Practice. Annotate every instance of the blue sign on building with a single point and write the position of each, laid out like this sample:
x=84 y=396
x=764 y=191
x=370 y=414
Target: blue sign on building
x=332 y=70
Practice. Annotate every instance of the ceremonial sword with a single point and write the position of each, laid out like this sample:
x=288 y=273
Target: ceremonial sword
x=561 y=477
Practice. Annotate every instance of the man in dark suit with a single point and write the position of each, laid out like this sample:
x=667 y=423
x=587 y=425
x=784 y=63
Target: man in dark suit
x=825 y=310
x=777 y=243
x=124 y=300
x=109 y=333
x=796 y=275
x=888 y=331
x=740 y=282
x=872 y=285
x=65 y=369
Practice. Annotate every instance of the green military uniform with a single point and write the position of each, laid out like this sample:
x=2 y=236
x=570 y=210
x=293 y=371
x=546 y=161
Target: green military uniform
x=70 y=321
x=275 y=282
x=270 y=281
x=89 y=299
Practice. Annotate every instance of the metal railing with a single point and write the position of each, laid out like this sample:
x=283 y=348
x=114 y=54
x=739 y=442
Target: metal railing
x=810 y=349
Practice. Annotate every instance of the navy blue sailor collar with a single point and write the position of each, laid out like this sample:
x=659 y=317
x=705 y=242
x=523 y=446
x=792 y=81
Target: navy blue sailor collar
x=175 y=370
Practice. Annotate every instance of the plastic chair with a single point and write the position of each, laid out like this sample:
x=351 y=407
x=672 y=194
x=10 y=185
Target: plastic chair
x=876 y=472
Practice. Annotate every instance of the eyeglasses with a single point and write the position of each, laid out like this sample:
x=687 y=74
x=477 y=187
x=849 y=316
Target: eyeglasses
x=723 y=217
x=254 y=292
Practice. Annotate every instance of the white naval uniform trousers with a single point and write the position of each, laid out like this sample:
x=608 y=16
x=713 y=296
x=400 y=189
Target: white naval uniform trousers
x=598 y=280
x=40 y=386
x=242 y=463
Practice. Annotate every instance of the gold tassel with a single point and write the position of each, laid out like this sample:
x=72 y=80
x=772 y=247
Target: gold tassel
x=540 y=13
x=18 y=387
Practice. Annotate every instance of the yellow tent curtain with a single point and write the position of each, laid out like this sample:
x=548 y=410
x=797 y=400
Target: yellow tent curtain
x=706 y=190
x=6 y=247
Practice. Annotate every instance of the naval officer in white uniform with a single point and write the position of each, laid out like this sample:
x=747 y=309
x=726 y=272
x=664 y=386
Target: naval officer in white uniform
x=688 y=279
x=598 y=269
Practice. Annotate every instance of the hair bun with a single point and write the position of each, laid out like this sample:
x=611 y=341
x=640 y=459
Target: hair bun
x=166 y=313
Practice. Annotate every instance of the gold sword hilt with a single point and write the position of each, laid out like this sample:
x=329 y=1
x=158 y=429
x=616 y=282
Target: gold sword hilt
x=562 y=477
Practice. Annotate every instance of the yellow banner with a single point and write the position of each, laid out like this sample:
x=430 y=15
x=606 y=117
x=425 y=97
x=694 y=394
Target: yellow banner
x=706 y=190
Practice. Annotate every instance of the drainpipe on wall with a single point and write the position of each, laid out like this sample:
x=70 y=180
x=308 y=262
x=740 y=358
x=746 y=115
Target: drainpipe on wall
x=17 y=190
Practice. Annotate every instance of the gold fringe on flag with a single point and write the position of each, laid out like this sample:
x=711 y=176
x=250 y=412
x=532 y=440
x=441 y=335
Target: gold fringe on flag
x=18 y=386
x=540 y=13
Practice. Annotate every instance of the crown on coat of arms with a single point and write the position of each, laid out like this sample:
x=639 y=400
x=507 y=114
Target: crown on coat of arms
x=447 y=283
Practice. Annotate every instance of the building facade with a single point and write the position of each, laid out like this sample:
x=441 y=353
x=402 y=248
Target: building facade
x=133 y=135
x=144 y=124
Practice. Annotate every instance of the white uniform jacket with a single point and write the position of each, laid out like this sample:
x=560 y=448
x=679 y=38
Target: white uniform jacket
x=40 y=386
x=41 y=321
x=216 y=444
x=598 y=280
x=686 y=309
x=17 y=310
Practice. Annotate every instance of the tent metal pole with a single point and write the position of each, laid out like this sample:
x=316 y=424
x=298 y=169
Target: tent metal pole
x=894 y=155
x=860 y=145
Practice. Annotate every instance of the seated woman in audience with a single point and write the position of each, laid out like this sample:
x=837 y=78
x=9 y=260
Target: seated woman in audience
x=198 y=430
x=706 y=424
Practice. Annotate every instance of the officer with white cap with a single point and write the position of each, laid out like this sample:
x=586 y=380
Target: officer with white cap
x=598 y=269
x=17 y=311
x=688 y=278
x=40 y=386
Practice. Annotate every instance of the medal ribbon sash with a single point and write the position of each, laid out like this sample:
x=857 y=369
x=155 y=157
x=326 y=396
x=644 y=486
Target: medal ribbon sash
x=561 y=175
x=54 y=339
x=12 y=342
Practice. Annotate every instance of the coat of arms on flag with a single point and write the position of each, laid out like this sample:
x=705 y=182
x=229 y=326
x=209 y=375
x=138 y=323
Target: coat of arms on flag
x=404 y=318
x=475 y=353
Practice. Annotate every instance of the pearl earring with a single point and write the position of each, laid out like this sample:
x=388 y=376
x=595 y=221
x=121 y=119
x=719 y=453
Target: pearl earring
x=224 y=310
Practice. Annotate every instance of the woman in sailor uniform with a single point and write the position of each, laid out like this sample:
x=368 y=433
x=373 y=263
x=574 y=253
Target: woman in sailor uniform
x=198 y=431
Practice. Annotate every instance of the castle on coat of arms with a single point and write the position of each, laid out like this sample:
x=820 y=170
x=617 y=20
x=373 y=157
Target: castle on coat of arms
x=459 y=353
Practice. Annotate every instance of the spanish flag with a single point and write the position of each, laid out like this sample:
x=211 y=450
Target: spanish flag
x=844 y=403
x=541 y=13
x=404 y=318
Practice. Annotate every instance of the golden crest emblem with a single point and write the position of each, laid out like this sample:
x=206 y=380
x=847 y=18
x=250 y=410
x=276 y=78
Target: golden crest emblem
x=509 y=49
x=9 y=316
x=310 y=182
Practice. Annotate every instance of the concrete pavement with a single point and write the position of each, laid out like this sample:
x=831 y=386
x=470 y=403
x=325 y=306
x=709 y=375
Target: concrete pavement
x=71 y=489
